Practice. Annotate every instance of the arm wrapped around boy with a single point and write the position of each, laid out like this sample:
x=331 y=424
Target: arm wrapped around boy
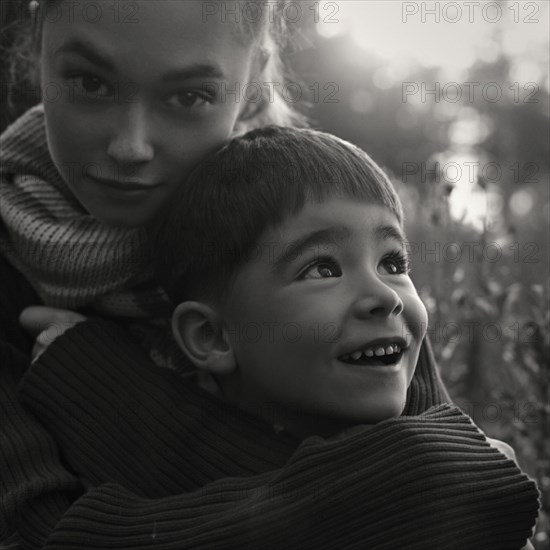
x=174 y=467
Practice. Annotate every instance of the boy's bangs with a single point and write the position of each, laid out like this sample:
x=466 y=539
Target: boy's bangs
x=313 y=169
x=254 y=183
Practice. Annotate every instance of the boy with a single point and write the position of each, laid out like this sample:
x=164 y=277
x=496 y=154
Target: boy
x=285 y=257
x=292 y=282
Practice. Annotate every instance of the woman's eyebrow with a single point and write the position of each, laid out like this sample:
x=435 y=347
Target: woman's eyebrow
x=93 y=54
x=197 y=70
x=86 y=50
x=322 y=237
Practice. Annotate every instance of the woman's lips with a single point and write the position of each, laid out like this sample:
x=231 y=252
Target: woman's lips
x=128 y=186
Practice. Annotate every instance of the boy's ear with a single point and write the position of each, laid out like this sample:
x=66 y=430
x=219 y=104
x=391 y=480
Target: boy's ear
x=199 y=332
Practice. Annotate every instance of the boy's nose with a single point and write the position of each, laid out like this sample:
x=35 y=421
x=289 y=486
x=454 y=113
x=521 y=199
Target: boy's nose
x=130 y=143
x=377 y=299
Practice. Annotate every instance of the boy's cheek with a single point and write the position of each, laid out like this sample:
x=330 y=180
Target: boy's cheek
x=416 y=316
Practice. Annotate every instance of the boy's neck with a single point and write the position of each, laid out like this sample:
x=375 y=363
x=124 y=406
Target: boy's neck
x=296 y=423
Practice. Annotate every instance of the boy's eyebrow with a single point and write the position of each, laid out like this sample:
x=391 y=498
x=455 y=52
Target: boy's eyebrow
x=91 y=53
x=331 y=235
x=389 y=232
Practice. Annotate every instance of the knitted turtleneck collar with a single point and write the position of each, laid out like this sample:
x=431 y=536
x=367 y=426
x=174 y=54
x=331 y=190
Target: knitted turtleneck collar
x=70 y=258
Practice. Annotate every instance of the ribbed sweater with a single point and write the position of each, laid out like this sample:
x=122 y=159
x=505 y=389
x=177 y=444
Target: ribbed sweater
x=169 y=466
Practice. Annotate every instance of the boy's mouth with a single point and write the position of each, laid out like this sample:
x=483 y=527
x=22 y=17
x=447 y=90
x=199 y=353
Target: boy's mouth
x=379 y=354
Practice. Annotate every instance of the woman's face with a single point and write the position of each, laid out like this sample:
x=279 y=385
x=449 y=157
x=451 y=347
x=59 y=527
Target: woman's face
x=135 y=94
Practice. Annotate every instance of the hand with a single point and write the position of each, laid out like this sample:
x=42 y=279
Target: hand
x=46 y=324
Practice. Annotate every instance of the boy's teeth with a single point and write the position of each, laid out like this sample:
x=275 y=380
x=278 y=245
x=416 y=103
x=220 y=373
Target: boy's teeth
x=378 y=352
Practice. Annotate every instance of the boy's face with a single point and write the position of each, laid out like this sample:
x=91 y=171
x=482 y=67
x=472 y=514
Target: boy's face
x=327 y=284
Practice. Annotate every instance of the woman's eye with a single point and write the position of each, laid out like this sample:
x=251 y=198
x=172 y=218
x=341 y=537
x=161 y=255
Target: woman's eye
x=322 y=270
x=396 y=264
x=188 y=100
x=90 y=85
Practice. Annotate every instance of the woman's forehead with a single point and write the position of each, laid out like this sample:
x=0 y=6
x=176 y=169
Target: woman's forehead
x=164 y=35
x=203 y=14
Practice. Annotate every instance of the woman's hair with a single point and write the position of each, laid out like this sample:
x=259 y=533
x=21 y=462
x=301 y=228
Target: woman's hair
x=268 y=30
x=273 y=35
x=213 y=223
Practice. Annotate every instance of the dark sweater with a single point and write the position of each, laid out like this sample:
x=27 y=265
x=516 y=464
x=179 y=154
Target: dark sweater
x=170 y=466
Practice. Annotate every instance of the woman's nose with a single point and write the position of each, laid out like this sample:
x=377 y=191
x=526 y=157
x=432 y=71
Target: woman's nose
x=377 y=299
x=130 y=142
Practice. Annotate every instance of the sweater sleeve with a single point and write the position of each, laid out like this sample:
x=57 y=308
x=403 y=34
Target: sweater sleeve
x=35 y=488
x=420 y=482
x=324 y=501
x=16 y=294
x=327 y=497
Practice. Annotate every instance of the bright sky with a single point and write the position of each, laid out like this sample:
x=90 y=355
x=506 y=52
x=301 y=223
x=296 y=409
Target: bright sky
x=448 y=34
x=451 y=36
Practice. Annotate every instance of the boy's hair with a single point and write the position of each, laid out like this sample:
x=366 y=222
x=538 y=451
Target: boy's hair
x=261 y=23
x=214 y=221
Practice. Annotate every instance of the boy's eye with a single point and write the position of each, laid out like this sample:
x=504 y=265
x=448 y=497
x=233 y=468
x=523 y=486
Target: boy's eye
x=321 y=270
x=188 y=100
x=396 y=264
